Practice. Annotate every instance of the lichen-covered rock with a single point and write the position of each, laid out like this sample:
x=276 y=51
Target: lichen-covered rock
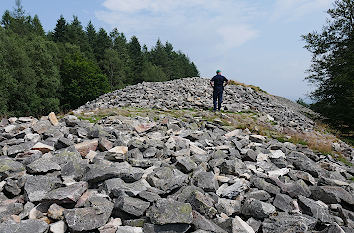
x=25 y=226
x=167 y=211
x=257 y=209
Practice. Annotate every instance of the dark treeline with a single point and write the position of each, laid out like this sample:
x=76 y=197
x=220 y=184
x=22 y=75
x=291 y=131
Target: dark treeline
x=71 y=65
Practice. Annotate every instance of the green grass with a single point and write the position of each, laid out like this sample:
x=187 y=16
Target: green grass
x=342 y=159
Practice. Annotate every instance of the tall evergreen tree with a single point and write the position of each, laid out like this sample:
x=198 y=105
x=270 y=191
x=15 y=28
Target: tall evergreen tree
x=102 y=43
x=61 y=30
x=332 y=68
x=137 y=59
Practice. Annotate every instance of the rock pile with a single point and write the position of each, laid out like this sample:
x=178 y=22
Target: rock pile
x=133 y=174
x=194 y=93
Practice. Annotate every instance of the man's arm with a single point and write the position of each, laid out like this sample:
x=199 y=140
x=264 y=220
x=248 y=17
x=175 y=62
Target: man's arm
x=226 y=82
x=212 y=84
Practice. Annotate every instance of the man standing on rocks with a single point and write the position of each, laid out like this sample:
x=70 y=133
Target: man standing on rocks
x=218 y=82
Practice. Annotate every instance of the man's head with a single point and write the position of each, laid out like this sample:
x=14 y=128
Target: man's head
x=218 y=72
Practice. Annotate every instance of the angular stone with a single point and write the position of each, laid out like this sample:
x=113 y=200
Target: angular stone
x=264 y=185
x=233 y=133
x=233 y=190
x=276 y=154
x=111 y=226
x=167 y=228
x=42 y=165
x=130 y=205
x=185 y=164
x=257 y=209
x=166 y=211
x=8 y=165
x=41 y=126
x=240 y=226
x=316 y=209
x=288 y=223
x=8 y=208
x=278 y=172
x=228 y=207
x=53 y=119
x=196 y=150
x=144 y=127
x=166 y=178
x=258 y=194
x=283 y=202
x=84 y=147
x=58 y=227
x=129 y=229
x=298 y=188
x=25 y=226
x=200 y=222
x=97 y=172
x=206 y=181
x=331 y=194
x=69 y=194
x=42 y=147
x=104 y=144
x=56 y=212
x=257 y=138
x=37 y=187
x=89 y=218
x=119 y=150
x=115 y=187
x=16 y=149
x=203 y=204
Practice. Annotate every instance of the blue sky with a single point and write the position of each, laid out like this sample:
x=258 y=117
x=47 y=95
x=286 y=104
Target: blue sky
x=252 y=41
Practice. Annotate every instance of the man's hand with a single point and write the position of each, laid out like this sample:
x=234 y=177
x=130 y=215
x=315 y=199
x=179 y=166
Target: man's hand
x=212 y=84
x=226 y=83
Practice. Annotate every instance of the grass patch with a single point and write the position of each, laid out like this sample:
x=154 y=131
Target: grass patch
x=342 y=159
x=256 y=88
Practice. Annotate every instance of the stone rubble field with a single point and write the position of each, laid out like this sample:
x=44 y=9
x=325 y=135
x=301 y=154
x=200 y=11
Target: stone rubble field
x=196 y=93
x=131 y=174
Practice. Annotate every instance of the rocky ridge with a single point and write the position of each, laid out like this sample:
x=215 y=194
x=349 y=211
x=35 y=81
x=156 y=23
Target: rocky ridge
x=196 y=93
x=163 y=173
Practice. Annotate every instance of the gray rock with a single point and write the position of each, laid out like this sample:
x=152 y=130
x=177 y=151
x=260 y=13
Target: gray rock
x=316 y=209
x=283 y=202
x=129 y=229
x=288 y=223
x=167 y=228
x=298 y=188
x=200 y=222
x=25 y=226
x=56 y=212
x=240 y=226
x=258 y=194
x=97 y=173
x=203 y=204
x=233 y=190
x=264 y=185
x=114 y=187
x=130 y=205
x=69 y=194
x=206 y=181
x=257 y=209
x=166 y=178
x=166 y=211
x=9 y=208
x=16 y=149
x=228 y=207
x=41 y=126
x=185 y=164
x=8 y=165
x=331 y=194
x=37 y=187
x=42 y=165
x=89 y=218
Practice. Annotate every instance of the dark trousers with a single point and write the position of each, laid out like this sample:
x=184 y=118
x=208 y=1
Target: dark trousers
x=217 y=98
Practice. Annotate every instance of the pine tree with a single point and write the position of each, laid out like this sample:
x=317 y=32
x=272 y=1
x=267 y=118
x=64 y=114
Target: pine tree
x=137 y=59
x=61 y=30
x=332 y=68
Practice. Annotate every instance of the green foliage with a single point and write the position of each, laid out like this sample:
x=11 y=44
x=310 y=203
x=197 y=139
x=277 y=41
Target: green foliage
x=302 y=102
x=332 y=68
x=71 y=65
x=82 y=81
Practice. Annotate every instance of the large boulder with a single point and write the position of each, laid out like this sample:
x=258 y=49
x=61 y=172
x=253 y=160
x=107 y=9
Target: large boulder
x=25 y=226
x=257 y=209
x=167 y=178
x=166 y=211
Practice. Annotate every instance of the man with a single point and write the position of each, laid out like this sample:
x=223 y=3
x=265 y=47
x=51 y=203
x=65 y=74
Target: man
x=218 y=82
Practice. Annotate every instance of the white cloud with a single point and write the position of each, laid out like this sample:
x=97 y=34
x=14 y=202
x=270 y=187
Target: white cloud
x=222 y=24
x=295 y=9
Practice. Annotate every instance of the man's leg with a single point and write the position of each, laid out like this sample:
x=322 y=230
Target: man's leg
x=215 y=96
x=220 y=100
